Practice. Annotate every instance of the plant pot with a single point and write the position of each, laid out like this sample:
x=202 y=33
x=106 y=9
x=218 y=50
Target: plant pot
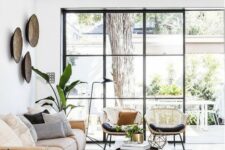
x=138 y=137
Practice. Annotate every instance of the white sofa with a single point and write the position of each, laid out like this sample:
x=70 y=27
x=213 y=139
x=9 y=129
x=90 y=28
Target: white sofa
x=75 y=142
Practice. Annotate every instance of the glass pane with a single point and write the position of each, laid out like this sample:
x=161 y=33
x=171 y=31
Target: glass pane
x=205 y=76
x=86 y=69
x=205 y=22
x=164 y=33
x=127 y=74
x=164 y=103
x=136 y=104
x=205 y=32
x=94 y=128
x=205 y=97
x=164 y=76
x=84 y=33
x=124 y=33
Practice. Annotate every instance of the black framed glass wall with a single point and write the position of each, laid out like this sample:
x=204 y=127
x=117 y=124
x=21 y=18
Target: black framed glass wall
x=130 y=47
x=143 y=51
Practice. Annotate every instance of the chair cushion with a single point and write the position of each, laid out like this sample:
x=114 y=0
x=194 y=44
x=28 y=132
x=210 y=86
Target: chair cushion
x=62 y=143
x=126 y=117
x=108 y=127
x=176 y=128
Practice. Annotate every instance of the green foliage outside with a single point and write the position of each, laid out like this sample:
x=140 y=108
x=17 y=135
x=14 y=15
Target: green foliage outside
x=204 y=23
x=201 y=82
x=156 y=87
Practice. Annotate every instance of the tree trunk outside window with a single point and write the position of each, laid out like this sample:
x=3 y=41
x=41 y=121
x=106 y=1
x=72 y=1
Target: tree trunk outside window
x=119 y=30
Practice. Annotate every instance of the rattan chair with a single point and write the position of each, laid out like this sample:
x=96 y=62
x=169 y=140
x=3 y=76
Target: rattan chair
x=109 y=134
x=163 y=122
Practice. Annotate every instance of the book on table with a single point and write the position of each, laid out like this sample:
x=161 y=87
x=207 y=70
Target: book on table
x=135 y=146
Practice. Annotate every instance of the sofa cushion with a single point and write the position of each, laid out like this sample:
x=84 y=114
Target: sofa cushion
x=59 y=117
x=36 y=118
x=20 y=129
x=30 y=127
x=63 y=143
x=7 y=136
x=80 y=138
x=49 y=130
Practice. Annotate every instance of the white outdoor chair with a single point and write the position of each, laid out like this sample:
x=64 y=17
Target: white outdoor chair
x=163 y=122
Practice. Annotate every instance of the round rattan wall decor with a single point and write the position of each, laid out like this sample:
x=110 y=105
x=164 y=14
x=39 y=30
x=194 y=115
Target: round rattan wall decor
x=32 y=30
x=27 y=67
x=16 y=44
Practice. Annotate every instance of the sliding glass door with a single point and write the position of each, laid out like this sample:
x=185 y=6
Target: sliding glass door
x=205 y=76
x=151 y=60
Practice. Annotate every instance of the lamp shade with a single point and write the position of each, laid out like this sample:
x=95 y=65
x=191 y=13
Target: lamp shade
x=105 y=80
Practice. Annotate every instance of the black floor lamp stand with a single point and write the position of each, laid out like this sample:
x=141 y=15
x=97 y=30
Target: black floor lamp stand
x=105 y=80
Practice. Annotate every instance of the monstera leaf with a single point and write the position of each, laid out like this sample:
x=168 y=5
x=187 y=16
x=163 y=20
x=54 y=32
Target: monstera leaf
x=42 y=74
x=62 y=97
x=61 y=91
x=50 y=98
x=65 y=76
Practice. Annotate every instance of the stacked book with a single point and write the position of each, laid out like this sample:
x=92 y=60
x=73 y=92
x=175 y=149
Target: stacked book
x=135 y=146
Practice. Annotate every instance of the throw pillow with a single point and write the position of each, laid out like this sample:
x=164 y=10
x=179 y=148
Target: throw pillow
x=112 y=114
x=36 y=118
x=30 y=127
x=59 y=117
x=20 y=129
x=49 y=130
x=138 y=119
x=126 y=118
x=7 y=136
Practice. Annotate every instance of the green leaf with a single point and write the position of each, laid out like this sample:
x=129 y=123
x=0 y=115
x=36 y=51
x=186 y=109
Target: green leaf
x=71 y=106
x=47 y=104
x=65 y=76
x=61 y=96
x=43 y=75
x=71 y=86
x=50 y=98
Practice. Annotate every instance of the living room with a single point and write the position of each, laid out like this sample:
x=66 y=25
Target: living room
x=113 y=74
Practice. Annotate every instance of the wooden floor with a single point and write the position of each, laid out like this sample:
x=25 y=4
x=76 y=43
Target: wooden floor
x=213 y=135
x=178 y=147
x=196 y=139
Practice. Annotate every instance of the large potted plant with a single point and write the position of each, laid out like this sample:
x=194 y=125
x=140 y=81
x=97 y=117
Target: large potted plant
x=61 y=91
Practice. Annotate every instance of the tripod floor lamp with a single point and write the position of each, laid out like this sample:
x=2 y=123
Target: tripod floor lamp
x=105 y=80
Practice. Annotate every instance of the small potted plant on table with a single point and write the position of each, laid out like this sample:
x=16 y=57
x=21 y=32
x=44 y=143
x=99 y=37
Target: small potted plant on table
x=135 y=133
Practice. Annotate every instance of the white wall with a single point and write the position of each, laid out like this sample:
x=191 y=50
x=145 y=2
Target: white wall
x=15 y=93
x=49 y=51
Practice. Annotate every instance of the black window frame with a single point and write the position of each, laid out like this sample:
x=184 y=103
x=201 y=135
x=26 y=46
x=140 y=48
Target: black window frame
x=64 y=11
